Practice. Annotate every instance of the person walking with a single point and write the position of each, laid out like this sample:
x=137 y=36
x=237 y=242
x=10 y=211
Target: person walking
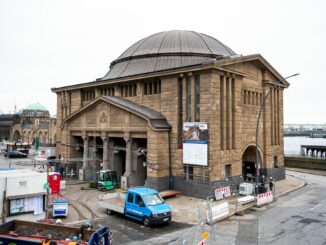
x=271 y=184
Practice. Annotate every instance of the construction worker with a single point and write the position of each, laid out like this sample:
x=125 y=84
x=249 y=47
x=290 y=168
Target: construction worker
x=87 y=226
x=74 y=241
x=47 y=240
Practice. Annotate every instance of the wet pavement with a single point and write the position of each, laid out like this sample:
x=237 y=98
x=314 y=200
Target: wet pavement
x=186 y=210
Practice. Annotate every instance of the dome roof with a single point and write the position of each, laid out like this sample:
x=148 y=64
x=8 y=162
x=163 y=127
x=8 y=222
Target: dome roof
x=36 y=107
x=167 y=50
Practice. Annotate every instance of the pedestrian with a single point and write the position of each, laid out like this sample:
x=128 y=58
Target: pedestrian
x=271 y=184
x=61 y=169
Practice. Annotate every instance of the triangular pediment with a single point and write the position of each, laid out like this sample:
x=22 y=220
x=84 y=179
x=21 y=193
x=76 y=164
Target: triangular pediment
x=111 y=112
x=256 y=60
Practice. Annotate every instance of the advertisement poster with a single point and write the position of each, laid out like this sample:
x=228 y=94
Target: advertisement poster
x=195 y=143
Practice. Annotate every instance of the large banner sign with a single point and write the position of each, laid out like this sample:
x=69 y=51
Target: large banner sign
x=195 y=142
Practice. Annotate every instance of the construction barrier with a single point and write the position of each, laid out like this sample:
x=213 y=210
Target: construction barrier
x=220 y=193
x=264 y=198
x=217 y=212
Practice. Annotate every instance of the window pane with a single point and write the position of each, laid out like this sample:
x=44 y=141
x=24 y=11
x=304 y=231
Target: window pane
x=130 y=197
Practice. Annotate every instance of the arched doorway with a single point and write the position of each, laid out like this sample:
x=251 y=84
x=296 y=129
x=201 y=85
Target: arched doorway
x=41 y=137
x=16 y=135
x=118 y=162
x=46 y=137
x=249 y=163
x=139 y=153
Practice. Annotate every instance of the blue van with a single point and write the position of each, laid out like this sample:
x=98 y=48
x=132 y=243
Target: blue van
x=139 y=203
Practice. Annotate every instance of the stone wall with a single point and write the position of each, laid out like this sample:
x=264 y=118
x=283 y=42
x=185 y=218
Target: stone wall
x=305 y=162
x=231 y=118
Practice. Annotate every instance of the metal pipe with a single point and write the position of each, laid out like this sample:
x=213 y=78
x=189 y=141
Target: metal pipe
x=257 y=127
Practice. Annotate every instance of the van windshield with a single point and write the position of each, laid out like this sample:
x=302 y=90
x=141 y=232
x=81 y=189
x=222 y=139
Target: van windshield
x=152 y=200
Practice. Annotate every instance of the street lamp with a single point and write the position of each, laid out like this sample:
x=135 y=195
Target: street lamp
x=257 y=127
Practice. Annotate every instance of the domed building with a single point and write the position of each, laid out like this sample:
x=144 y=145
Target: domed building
x=177 y=109
x=34 y=121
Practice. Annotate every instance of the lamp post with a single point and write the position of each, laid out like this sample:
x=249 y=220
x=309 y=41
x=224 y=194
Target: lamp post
x=257 y=127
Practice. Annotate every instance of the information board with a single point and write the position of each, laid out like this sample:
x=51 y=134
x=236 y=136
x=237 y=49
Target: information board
x=195 y=143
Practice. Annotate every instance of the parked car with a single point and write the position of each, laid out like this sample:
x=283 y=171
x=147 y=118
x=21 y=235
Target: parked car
x=15 y=154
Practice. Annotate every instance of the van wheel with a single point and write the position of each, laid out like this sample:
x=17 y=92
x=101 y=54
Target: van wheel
x=146 y=221
x=109 y=211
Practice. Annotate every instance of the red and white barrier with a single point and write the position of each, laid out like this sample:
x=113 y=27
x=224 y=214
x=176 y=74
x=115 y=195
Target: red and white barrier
x=264 y=198
x=220 y=193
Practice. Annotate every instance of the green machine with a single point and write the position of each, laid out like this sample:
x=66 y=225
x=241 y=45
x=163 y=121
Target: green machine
x=107 y=180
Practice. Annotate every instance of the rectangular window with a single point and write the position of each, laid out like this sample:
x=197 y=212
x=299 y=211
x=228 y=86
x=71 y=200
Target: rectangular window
x=180 y=119
x=197 y=98
x=233 y=114
x=26 y=205
x=131 y=197
x=150 y=88
x=134 y=90
x=227 y=113
x=246 y=97
x=222 y=111
x=159 y=86
x=189 y=172
x=155 y=88
x=275 y=162
x=228 y=170
x=126 y=91
x=249 y=97
x=145 y=88
x=188 y=99
x=138 y=200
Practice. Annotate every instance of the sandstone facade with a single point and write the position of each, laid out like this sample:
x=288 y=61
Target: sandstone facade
x=133 y=124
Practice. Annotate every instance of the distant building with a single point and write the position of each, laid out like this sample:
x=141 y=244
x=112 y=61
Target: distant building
x=6 y=123
x=31 y=122
x=176 y=109
x=304 y=127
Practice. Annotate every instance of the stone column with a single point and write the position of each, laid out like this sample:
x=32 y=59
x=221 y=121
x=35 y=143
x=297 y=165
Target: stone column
x=105 y=151
x=94 y=150
x=128 y=155
x=85 y=155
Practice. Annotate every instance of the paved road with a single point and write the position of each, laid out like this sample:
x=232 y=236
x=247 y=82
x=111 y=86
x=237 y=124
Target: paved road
x=296 y=218
x=299 y=217
x=128 y=231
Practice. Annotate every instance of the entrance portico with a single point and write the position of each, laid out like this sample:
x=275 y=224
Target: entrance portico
x=118 y=139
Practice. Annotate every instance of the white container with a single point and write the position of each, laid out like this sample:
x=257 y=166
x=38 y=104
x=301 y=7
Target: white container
x=60 y=208
x=246 y=189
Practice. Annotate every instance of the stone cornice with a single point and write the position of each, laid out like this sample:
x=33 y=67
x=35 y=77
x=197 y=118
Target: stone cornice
x=170 y=72
x=250 y=58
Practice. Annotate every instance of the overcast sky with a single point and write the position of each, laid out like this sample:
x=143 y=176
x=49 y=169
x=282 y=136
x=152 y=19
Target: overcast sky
x=45 y=44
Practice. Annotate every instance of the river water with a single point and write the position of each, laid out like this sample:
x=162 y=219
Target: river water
x=292 y=144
